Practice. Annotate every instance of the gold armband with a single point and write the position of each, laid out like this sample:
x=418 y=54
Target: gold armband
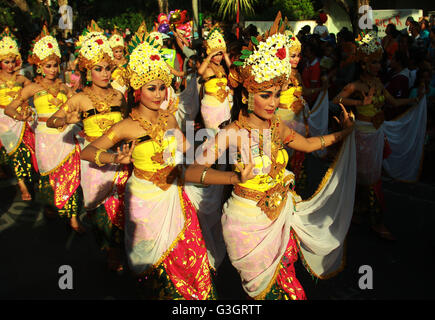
x=203 y=175
x=97 y=157
x=322 y=142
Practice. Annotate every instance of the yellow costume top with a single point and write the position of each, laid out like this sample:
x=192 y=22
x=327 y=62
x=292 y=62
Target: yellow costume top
x=288 y=97
x=9 y=93
x=217 y=87
x=46 y=103
x=96 y=123
x=270 y=187
x=119 y=79
x=372 y=109
x=154 y=152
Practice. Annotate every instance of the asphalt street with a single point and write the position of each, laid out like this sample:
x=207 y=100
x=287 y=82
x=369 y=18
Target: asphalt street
x=33 y=249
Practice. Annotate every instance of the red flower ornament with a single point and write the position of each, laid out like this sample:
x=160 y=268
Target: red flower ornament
x=49 y=45
x=281 y=54
x=99 y=41
x=155 y=57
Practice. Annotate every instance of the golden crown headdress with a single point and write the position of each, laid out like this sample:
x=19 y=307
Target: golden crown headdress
x=44 y=47
x=146 y=62
x=93 y=47
x=264 y=62
x=116 y=40
x=9 y=47
x=369 y=46
x=215 y=39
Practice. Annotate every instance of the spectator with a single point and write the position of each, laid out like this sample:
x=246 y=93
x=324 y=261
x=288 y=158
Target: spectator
x=321 y=29
x=407 y=24
x=398 y=82
x=311 y=74
x=304 y=33
x=389 y=42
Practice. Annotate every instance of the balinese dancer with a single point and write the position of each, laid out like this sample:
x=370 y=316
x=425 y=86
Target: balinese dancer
x=264 y=223
x=163 y=238
x=367 y=97
x=98 y=107
x=293 y=108
x=57 y=151
x=17 y=140
x=116 y=42
x=215 y=103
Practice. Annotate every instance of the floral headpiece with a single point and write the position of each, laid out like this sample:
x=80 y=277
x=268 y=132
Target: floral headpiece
x=116 y=40
x=215 y=40
x=9 y=47
x=369 y=47
x=157 y=37
x=146 y=62
x=93 y=47
x=44 y=47
x=264 y=62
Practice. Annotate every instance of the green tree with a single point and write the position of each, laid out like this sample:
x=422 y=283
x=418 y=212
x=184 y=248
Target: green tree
x=296 y=9
x=228 y=8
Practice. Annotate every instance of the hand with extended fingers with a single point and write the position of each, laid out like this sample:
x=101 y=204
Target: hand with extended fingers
x=72 y=115
x=247 y=170
x=347 y=119
x=368 y=98
x=124 y=156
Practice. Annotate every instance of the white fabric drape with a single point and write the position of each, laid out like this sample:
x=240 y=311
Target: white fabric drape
x=318 y=119
x=153 y=220
x=11 y=132
x=321 y=222
x=405 y=135
x=255 y=244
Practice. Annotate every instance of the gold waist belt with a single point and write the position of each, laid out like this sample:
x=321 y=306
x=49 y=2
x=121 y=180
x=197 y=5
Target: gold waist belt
x=162 y=178
x=221 y=94
x=270 y=201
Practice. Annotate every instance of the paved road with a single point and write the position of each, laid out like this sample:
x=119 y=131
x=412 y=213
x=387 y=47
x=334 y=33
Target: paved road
x=32 y=249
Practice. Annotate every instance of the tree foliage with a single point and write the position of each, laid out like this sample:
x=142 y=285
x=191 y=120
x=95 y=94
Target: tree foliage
x=296 y=9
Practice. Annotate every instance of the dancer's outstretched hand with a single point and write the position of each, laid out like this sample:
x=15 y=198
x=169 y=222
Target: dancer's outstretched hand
x=347 y=119
x=124 y=156
x=72 y=115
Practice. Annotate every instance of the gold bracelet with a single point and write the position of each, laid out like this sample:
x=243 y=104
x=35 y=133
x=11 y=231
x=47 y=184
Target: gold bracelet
x=203 y=175
x=97 y=158
x=322 y=142
x=54 y=121
x=340 y=100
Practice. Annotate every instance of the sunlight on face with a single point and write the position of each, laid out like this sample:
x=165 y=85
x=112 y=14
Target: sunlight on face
x=153 y=94
x=51 y=69
x=266 y=102
x=101 y=74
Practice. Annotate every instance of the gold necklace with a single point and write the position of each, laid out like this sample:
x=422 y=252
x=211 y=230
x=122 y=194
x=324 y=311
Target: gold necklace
x=155 y=130
x=9 y=82
x=102 y=105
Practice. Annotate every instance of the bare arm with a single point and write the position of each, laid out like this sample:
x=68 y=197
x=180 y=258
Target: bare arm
x=343 y=96
x=298 y=142
x=13 y=109
x=68 y=113
x=399 y=102
x=200 y=171
x=96 y=151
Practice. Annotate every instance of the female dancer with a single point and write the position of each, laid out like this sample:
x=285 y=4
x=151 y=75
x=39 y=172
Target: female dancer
x=164 y=243
x=57 y=152
x=17 y=139
x=367 y=97
x=98 y=107
x=262 y=217
x=215 y=104
x=116 y=42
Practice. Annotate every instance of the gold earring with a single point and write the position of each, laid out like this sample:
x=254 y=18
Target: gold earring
x=244 y=100
x=89 y=76
x=39 y=70
x=250 y=102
